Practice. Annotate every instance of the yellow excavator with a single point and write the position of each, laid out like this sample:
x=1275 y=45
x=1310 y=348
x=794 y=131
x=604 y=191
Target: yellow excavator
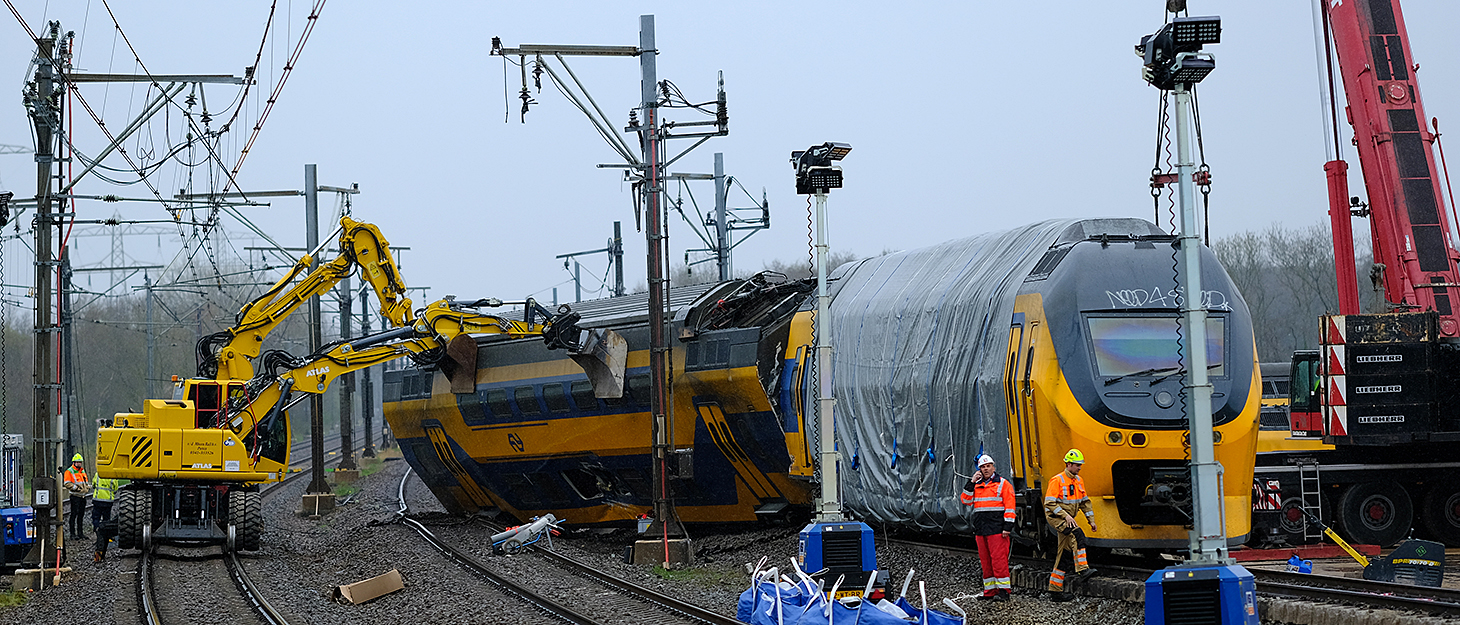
x=196 y=461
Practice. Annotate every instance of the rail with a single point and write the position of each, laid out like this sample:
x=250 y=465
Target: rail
x=151 y=614
x=1284 y=584
x=680 y=608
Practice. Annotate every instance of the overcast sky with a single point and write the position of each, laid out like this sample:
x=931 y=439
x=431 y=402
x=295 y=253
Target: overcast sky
x=964 y=117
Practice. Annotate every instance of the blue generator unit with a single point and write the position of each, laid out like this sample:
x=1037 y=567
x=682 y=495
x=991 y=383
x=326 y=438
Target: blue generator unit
x=1201 y=595
x=19 y=533
x=845 y=548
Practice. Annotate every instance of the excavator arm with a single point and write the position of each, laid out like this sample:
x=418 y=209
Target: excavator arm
x=229 y=355
x=444 y=334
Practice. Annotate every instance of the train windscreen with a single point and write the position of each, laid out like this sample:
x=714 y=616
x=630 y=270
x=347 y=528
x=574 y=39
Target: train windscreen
x=1147 y=345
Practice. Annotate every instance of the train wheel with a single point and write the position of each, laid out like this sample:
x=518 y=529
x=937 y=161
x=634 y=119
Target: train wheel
x=1441 y=512
x=126 y=519
x=1375 y=513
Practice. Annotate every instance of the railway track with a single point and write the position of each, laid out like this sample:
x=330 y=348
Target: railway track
x=1284 y=584
x=613 y=600
x=188 y=568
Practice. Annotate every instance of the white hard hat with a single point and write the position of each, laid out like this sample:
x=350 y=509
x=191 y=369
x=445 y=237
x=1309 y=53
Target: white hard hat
x=985 y=459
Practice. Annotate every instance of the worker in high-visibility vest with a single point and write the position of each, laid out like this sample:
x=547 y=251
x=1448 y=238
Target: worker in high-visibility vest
x=992 y=498
x=74 y=480
x=1062 y=499
x=103 y=494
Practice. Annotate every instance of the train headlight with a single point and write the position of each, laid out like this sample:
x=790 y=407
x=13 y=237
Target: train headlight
x=1216 y=437
x=1138 y=439
x=1114 y=438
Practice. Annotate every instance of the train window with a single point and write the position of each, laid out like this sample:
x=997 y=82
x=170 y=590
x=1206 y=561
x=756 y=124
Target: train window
x=498 y=405
x=525 y=492
x=582 y=392
x=526 y=398
x=636 y=482
x=470 y=405
x=638 y=387
x=583 y=483
x=551 y=486
x=555 y=398
x=1148 y=345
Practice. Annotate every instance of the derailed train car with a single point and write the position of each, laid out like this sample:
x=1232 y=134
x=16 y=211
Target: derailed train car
x=1021 y=345
x=532 y=438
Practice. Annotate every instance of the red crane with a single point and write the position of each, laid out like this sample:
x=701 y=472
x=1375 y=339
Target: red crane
x=1412 y=249
x=1381 y=395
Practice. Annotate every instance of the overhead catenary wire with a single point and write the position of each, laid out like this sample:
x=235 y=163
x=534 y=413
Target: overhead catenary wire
x=278 y=88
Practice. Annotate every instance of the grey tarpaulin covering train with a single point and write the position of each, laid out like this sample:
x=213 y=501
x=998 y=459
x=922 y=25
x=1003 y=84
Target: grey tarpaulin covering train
x=1024 y=344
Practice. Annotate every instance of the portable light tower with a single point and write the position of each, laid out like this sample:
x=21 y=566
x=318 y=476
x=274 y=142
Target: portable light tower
x=831 y=542
x=1209 y=587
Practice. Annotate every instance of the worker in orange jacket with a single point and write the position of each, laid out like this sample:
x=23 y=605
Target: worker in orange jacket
x=1062 y=499
x=992 y=498
x=74 y=480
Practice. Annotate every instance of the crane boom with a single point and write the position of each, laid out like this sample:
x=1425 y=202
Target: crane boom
x=1410 y=233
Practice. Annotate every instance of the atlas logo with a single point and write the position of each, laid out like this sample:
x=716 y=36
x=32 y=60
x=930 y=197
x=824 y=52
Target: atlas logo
x=316 y=371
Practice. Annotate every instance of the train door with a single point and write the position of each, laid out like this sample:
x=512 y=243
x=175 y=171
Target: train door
x=1013 y=399
x=793 y=398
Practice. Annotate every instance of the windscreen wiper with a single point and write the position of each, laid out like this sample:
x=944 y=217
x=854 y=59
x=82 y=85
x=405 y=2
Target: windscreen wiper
x=1138 y=374
x=1183 y=370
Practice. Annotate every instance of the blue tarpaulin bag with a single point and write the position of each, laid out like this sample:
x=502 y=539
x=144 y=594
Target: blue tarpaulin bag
x=931 y=617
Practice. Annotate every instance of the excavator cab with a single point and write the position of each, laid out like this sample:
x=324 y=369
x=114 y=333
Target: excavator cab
x=211 y=400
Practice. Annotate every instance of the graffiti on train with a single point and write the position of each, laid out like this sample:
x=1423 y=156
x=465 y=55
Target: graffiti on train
x=1157 y=297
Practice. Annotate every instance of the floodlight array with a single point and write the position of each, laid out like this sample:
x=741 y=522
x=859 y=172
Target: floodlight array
x=1191 y=33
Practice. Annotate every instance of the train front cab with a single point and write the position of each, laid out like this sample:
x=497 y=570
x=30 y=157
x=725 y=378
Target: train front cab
x=1127 y=468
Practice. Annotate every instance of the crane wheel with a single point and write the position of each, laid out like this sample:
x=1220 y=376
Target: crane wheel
x=244 y=515
x=1375 y=513
x=1440 y=512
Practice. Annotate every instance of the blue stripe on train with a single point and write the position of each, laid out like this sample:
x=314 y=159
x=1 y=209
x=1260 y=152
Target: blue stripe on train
x=549 y=483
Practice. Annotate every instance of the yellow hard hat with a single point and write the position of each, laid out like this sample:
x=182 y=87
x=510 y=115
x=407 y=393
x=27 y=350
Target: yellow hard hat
x=1075 y=456
x=77 y=458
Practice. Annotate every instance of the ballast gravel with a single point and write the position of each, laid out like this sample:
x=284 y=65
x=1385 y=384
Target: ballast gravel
x=303 y=559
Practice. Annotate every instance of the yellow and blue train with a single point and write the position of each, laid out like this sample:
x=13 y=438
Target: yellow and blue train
x=1019 y=344
x=533 y=439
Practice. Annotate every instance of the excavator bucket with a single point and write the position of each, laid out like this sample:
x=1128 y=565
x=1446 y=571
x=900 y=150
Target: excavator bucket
x=602 y=354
